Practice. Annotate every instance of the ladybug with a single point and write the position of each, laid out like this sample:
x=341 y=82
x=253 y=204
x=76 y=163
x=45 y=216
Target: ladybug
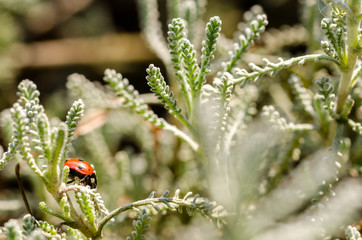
x=82 y=170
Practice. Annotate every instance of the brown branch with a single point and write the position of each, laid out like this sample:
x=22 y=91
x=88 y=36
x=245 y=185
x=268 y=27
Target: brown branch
x=120 y=48
x=21 y=187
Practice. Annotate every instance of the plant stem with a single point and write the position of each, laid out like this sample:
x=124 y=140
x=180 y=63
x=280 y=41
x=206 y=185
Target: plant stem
x=353 y=52
x=177 y=132
x=338 y=137
x=242 y=76
x=21 y=187
x=133 y=205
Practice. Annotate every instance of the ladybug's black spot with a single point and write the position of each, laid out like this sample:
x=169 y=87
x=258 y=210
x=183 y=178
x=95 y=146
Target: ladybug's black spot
x=81 y=166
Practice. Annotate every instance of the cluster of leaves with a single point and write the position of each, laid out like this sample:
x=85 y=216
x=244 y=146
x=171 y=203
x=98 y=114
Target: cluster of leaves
x=244 y=162
x=205 y=105
x=30 y=229
x=44 y=148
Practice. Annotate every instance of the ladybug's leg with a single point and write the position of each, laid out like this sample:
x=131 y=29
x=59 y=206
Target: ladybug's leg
x=83 y=179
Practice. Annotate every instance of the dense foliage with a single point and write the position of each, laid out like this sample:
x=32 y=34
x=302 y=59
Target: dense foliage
x=271 y=145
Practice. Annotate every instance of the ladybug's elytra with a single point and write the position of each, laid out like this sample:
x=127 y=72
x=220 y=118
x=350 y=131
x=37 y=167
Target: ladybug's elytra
x=81 y=169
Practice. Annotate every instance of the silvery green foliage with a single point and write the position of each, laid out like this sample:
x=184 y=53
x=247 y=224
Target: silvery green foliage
x=45 y=148
x=327 y=96
x=189 y=10
x=319 y=107
x=339 y=52
x=12 y=230
x=30 y=229
x=352 y=233
x=191 y=77
x=280 y=122
x=303 y=96
x=256 y=23
x=32 y=133
x=193 y=204
x=161 y=89
x=243 y=76
x=91 y=93
x=140 y=225
x=131 y=99
x=38 y=143
x=356 y=126
x=259 y=173
x=208 y=114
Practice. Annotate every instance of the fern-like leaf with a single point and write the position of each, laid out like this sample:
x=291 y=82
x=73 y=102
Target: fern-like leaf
x=212 y=32
x=131 y=99
x=140 y=225
x=257 y=24
x=161 y=89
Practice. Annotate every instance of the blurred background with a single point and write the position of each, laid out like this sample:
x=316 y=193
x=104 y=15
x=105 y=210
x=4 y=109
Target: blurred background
x=46 y=41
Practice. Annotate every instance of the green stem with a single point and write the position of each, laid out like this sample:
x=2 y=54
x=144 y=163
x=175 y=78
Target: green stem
x=177 y=132
x=242 y=75
x=79 y=222
x=184 y=121
x=194 y=110
x=338 y=137
x=353 y=52
x=187 y=100
x=149 y=201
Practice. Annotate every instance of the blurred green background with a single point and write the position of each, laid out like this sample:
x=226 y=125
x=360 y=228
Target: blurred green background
x=46 y=41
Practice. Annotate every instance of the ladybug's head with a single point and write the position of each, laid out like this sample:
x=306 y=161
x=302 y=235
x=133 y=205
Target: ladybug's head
x=91 y=180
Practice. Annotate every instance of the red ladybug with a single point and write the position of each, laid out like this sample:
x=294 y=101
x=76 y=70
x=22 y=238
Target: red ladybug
x=81 y=169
